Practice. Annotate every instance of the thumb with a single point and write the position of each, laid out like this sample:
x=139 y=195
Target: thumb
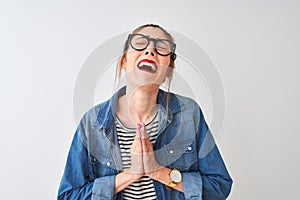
x=138 y=132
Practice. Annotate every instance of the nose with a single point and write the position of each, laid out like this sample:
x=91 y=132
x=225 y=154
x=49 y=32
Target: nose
x=149 y=52
x=150 y=49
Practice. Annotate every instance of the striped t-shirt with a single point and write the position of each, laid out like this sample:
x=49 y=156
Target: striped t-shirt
x=143 y=188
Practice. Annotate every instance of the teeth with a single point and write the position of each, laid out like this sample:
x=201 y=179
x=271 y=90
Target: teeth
x=148 y=64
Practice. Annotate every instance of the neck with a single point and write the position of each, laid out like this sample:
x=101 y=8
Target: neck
x=141 y=102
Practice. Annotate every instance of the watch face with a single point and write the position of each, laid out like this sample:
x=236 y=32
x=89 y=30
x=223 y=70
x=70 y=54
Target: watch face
x=175 y=176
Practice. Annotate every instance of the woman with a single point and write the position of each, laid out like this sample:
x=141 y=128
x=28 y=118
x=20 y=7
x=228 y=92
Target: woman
x=145 y=143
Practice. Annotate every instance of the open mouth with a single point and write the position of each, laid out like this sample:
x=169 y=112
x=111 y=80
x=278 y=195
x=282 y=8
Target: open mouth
x=147 y=65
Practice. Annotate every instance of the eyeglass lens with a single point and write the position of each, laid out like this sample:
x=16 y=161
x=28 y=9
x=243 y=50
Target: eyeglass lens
x=140 y=42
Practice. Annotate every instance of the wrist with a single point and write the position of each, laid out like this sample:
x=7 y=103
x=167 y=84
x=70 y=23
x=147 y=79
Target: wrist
x=133 y=174
x=156 y=174
x=152 y=174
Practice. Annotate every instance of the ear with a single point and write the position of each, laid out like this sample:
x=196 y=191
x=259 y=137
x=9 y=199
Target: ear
x=173 y=56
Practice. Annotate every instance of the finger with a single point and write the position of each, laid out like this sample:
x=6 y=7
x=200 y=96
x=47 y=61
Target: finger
x=136 y=149
x=138 y=132
x=144 y=146
x=147 y=146
x=136 y=146
x=143 y=131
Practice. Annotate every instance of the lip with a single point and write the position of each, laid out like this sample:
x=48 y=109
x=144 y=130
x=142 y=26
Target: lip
x=147 y=61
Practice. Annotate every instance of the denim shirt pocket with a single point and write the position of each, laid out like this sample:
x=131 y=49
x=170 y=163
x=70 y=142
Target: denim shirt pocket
x=101 y=165
x=181 y=155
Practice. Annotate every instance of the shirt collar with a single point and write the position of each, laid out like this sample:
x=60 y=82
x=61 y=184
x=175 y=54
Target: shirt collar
x=107 y=110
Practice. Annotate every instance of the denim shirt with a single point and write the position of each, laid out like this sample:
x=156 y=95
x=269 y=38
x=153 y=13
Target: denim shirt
x=184 y=142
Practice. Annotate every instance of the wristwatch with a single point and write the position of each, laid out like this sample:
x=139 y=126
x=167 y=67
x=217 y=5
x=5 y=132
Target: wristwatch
x=176 y=177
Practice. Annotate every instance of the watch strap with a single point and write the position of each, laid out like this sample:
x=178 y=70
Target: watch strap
x=171 y=185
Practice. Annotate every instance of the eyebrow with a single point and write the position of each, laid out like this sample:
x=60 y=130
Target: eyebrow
x=154 y=38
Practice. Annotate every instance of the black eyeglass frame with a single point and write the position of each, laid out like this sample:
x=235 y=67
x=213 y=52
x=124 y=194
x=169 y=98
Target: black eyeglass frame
x=155 y=41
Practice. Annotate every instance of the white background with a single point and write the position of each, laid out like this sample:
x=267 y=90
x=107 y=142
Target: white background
x=254 y=45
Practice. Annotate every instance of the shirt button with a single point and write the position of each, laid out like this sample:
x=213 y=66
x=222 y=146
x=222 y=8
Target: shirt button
x=108 y=164
x=171 y=151
x=189 y=148
x=94 y=159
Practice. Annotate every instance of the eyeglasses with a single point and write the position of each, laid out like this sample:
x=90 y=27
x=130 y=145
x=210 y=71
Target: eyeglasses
x=140 y=42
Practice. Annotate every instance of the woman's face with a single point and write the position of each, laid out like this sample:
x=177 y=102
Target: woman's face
x=146 y=66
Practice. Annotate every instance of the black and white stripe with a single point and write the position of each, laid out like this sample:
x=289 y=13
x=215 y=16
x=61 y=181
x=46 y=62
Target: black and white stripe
x=143 y=188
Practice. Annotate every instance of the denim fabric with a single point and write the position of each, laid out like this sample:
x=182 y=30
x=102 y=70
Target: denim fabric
x=184 y=142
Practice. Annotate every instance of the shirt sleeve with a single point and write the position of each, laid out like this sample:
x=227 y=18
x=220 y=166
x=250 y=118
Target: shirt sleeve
x=212 y=181
x=76 y=183
x=190 y=183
